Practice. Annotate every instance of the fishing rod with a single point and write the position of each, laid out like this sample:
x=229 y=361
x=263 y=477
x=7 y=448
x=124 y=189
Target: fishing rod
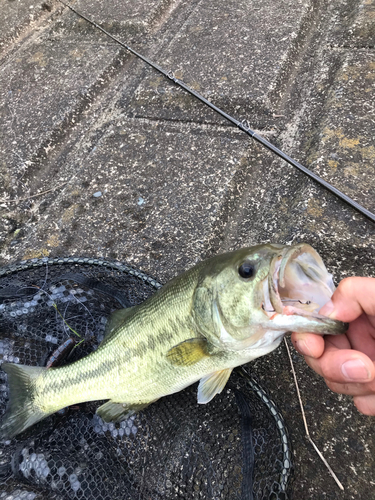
x=242 y=125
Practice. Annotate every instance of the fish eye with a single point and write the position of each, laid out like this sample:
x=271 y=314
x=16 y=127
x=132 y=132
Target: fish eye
x=246 y=269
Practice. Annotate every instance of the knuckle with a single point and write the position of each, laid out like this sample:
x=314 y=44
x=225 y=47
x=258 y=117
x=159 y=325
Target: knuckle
x=365 y=404
x=331 y=385
x=340 y=388
x=345 y=285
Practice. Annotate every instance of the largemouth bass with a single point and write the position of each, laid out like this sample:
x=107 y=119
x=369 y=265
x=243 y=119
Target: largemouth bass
x=222 y=313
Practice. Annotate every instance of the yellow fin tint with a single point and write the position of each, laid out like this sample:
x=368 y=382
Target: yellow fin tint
x=116 y=412
x=212 y=384
x=188 y=353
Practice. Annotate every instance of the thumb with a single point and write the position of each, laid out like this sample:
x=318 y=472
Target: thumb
x=353 y=297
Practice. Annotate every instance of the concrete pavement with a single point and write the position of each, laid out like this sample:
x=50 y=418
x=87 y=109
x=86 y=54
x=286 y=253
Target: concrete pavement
x=80 y=116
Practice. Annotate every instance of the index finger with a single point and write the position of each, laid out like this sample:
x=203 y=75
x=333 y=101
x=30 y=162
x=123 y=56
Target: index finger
x=353 y=297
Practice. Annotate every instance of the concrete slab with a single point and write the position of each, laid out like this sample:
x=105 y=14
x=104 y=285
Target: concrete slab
x=143 y=192
x=347 y=133
x=221 y=52
x=119 y=16
x=364 y=26
x=359 y=21
x=43 y=88
x=130 y=21
x=17 y=15
x=332 y=95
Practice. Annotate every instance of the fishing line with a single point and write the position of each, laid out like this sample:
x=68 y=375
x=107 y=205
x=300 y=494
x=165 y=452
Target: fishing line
x=242 y=125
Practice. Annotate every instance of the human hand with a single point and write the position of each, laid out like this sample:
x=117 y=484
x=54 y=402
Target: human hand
x=347 y=362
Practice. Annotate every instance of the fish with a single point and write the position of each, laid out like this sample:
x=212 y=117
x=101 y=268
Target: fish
x=222 y=313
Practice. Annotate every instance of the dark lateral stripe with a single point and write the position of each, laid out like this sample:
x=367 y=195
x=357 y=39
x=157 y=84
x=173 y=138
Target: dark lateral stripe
x=151 y=343
x=77 y=378
x=80 y=375
x=140 y=351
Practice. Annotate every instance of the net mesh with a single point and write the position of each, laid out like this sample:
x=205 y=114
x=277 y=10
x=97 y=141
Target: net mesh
x=235 y=447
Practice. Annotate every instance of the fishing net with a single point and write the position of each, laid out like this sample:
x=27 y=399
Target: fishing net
x=235 y=447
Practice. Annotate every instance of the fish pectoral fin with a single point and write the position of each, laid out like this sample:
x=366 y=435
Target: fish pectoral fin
x=116 y=412
x=212 y=384
x=116 y=319
x=188 y=352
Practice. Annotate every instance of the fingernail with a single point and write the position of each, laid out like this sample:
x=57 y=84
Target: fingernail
x=328 y=309
x=355 y=370
x=303 y=348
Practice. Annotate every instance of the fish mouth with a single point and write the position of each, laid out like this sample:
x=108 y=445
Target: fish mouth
x=299 y=285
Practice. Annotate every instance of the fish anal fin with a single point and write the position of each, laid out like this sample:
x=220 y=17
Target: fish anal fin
x=116 y=319
x=116 y=412
x=188 y=352
x=212 y=384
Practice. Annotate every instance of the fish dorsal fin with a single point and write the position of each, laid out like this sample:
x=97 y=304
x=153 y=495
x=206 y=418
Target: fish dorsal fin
x=116 y=412
x=188 y=352
x=116 y=319
x=212 y=384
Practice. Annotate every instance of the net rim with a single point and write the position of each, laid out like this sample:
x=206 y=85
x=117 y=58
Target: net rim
x=287 y=469
x=32 y=263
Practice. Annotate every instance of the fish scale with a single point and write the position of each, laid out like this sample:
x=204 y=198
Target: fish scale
x=199 y=326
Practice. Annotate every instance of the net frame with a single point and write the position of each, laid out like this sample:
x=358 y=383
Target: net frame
x=12 y=472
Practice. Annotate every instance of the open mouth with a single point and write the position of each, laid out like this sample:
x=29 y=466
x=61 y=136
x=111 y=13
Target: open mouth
x=298 y=283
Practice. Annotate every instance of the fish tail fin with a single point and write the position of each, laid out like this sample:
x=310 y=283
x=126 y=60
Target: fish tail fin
x=22 y=410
